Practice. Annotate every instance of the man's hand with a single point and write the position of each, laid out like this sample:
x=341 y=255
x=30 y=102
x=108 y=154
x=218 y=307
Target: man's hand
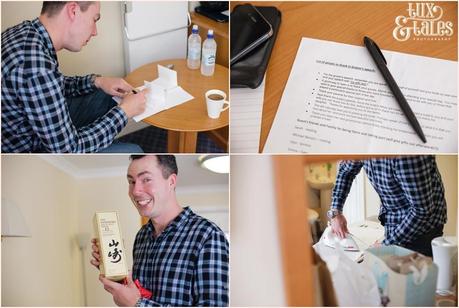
x=134 y=104
x=339 y=226
x=377 y=244
x=123 y=295
x=113 y=86
x=95 y=254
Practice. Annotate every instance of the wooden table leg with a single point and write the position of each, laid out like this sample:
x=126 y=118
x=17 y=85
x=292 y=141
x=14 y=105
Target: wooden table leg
x=172 y=141
x=181 y=142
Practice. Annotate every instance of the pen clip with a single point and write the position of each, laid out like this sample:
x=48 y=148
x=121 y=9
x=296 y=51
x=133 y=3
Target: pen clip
x=370 y=41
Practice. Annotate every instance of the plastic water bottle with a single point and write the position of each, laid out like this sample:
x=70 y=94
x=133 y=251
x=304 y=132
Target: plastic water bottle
x=209 y=51
x=194 y=49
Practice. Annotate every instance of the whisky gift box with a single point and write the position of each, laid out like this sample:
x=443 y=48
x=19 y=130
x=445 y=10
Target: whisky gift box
x=111 y=249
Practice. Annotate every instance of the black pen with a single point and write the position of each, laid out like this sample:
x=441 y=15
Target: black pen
x=381 y=63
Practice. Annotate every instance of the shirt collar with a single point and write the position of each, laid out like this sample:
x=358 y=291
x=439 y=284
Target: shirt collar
x=174 y=224
x=36 y=23
x=180 y=219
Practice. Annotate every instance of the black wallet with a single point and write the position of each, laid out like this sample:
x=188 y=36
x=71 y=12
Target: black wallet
x=249 y=71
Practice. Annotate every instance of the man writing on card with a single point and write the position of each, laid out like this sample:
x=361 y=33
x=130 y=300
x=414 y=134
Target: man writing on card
x=413 y=205
x=45 y=111
x=180 y=258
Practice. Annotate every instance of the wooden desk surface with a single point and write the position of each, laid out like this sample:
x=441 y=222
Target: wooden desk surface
x=220 y=28
x=192 y=115
x=344 y=22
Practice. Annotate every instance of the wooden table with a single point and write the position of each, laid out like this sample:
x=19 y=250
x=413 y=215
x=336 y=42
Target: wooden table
x=343 y=22
x=186 y=120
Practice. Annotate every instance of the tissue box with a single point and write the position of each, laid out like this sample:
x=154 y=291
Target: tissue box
x=111 y=249
x=397 y=289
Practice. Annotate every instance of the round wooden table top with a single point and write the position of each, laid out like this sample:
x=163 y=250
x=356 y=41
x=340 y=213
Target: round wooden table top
x=191 y=115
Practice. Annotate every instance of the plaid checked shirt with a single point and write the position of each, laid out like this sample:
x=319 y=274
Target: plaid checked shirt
x=410 y=189
x=35 y=116
x=187 y=265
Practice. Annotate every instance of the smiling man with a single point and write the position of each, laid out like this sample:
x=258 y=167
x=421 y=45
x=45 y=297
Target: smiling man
x=45 y=111
x=180 y=258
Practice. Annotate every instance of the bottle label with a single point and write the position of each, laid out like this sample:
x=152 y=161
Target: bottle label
x=194 y=53
x=208 y=58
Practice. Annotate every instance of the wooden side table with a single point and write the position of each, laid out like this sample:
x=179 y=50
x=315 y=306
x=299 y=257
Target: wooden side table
x=183 y=122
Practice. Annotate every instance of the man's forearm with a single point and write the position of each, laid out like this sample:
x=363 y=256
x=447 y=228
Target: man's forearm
x=79 y=85
x=213 y=258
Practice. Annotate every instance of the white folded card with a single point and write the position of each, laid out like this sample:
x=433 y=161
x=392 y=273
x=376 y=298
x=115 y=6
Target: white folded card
x=164 y=93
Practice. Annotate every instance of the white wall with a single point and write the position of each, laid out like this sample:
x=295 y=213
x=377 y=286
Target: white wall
x=211 y=203
x=372 y=201
x=104 y=53
x=43 y=270
x=256 y=268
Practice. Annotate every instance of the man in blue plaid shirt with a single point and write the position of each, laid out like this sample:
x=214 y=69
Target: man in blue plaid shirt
x=413 y=205
x=180 y=258
x=45 y=111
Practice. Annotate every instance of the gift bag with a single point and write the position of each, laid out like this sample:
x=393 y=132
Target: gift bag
x=404 y=277
x=354 y=284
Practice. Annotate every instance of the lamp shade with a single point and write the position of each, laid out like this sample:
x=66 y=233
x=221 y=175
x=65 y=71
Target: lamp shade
x=13 y=222
x=216 y=163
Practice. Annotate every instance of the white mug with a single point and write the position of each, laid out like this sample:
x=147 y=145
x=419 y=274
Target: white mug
x=215 y=106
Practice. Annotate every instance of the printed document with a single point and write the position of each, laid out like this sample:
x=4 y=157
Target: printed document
x=336 y=101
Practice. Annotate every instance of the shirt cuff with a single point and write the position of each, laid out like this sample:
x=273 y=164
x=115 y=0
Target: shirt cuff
x=336 y=206
x=122 y=114
x=138 y=302
x=93 y=80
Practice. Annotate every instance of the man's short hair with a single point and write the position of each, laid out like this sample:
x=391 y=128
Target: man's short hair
x=167 y=163
x=51 y=8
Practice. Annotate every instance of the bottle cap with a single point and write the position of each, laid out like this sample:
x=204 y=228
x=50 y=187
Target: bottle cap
x=210 y=33
x=195 y=29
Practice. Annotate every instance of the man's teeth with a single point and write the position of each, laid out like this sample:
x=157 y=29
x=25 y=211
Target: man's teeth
x=143 y=202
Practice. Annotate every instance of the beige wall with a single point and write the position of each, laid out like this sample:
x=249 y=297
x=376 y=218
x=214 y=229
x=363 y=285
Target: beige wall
x=43 y=270
x=105 y=194
x=256 y=269
x=447 y=165
x=57 y=207
x=212 y=204
x=103 y=55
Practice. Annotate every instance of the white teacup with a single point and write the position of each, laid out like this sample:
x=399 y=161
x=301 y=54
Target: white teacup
x=215 y=100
